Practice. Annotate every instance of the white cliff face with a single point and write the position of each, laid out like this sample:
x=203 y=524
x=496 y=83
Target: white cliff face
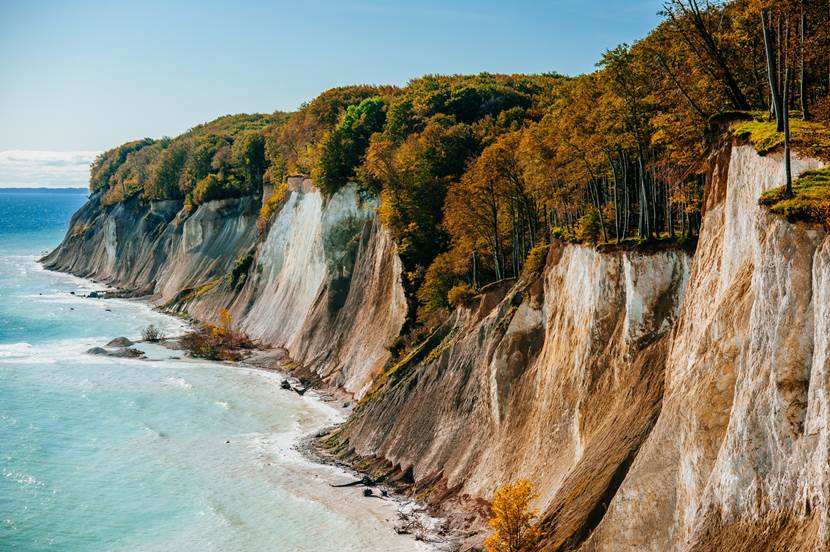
x=110 y=246
x=293 y=269
x=653 y=294
x=554 y=383
x=327 y=287
x=209 y=243
x=741 y=444
x=324 y=282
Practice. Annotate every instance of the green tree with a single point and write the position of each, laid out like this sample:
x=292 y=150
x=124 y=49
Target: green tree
x=343 y=149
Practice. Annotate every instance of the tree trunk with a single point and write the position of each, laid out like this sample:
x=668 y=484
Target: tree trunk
x=805 y=109
x=786 y=102
x=616 y=199
x=626 y=199
x=646 y=230
x=733 y=90
x=772 y=72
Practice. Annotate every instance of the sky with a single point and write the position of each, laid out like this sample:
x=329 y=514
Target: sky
x=79 y=77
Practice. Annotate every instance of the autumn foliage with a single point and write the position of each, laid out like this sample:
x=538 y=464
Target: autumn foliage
x=474 y=172
x=217 y=342
x=514 y=521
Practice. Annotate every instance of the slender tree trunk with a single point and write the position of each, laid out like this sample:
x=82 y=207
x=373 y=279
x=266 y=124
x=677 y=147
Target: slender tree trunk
x=497 y=254
x=616 y=199
x=646 y=229
x=669 y=214
x=787 y=156
x=802 y=78
x=772 y=73
x=679 y=86
x=710 y=45
x=626 y=200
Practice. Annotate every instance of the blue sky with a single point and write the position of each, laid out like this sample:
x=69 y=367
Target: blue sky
x=83 y=76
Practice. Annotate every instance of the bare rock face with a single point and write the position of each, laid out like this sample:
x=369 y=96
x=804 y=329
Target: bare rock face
x=558 y=381
x=738 y=458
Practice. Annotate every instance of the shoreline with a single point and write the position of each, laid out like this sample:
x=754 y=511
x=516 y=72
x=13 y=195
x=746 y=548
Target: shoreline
x=317 y=412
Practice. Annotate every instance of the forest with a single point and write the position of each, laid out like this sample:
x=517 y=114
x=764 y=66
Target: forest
x=476 y=174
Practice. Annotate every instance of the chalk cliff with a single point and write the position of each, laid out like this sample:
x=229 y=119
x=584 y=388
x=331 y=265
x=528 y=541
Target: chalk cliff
x=657 y=400
x=323 y=280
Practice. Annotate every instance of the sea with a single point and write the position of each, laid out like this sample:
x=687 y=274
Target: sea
x=164 y=454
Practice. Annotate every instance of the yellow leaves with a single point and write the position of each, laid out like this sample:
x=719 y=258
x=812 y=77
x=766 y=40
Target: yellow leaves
x=514 y=521
x=225 y=319
x=271 y=205
x=224 y=329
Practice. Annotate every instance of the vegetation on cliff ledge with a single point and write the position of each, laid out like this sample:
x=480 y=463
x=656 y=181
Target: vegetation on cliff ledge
x=809 y=202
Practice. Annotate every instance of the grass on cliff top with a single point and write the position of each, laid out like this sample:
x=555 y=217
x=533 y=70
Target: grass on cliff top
x=810 y=201
x=807 y=137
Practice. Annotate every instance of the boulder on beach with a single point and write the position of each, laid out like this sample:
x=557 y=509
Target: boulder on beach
x=121 y=352
x=120 y=342
x=127 y=352
x=94 y=295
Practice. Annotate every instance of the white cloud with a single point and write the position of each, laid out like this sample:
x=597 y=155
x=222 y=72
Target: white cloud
x=45 y=169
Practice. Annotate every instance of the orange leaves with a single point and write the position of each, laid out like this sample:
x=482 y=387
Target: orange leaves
x=514 y=521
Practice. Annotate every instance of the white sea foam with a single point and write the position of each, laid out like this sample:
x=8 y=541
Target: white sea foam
x=15 y=350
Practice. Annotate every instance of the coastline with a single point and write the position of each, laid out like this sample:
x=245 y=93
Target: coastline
x=313 y=475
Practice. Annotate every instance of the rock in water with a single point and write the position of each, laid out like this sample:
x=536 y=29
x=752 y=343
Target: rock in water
x=127 y=352
x=123 y=352
x=120 y=342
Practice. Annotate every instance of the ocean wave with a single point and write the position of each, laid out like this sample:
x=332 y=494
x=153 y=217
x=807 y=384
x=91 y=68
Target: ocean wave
x=14 y=350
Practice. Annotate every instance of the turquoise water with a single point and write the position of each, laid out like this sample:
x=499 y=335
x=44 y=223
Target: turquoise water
x=150 y=455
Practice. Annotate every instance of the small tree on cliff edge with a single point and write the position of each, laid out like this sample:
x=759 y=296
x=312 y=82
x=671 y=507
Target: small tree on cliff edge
x=514 y=520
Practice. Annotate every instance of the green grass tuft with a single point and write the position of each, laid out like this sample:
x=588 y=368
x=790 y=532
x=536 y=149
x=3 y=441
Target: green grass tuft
x=810 y=201
x=807 y=137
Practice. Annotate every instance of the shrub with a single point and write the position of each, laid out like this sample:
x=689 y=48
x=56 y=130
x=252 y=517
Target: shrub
x=563 y=233
x=79 y=231
x=208 y=188
x=587 y=227
x=460 y=294
x=513 y=519
x=271 y=206
x=535 y=262
x=440 y=278
x=152 y=334
x=217 y=342
x=239 y=273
